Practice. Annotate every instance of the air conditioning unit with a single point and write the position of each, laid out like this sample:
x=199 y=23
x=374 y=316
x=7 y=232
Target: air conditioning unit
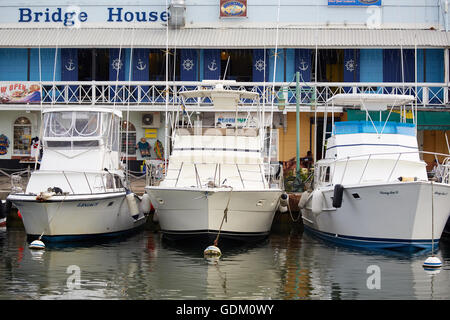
x=151 y=120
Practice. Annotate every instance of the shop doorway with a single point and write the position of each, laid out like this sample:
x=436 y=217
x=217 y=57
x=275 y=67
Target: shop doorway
x=330 y=65
x=240 y=67
x=157 y=65
x=93 y=64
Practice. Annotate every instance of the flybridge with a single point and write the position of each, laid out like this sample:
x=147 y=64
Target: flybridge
x=74 y=15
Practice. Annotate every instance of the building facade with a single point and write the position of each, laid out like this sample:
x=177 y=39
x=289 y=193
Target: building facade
x=137 y=56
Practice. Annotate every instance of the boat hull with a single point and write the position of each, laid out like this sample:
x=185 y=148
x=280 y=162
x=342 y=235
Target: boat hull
x=185 y=213
x=70 y=218
x=382 y=216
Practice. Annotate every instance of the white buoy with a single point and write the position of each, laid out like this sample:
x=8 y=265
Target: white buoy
x=37 y=245
x=212 y=251
x=432 y=263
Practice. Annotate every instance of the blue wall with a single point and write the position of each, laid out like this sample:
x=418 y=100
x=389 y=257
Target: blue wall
x=13 y=64
x=371 y=65
x=47 y=65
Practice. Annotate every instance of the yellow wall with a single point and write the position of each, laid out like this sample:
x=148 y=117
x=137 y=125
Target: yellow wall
x=434 y=141
x=287 y=141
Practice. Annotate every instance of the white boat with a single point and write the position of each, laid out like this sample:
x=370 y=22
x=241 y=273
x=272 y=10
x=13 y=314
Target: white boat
x=79 y=192
x=216 y=179
x=371 y=189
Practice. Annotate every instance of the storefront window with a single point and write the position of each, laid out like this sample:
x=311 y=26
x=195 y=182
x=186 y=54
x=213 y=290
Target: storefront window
x=22 y=136
x=129 y=130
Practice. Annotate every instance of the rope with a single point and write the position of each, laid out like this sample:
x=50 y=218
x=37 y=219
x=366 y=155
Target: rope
x=225 y=214
x=290 y=213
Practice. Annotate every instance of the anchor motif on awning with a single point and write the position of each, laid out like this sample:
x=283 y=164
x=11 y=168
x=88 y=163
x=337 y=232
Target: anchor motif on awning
x=70 y=66
x=303 y=65
x=141 y=65
x=212 y=66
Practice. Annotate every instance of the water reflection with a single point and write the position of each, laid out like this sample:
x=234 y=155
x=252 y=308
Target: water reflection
x=289 y=265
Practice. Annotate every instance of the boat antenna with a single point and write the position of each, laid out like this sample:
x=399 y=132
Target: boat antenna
x=166 y=128
x=127 y=127
x=273 y=90
x=316 y=58
x=41 y=99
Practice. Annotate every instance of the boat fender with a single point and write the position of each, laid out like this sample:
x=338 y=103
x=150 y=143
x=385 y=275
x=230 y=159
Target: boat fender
x=145 y=204
x=303 y=199
x=132 y=205
x=284 y=202
x=407 y=179
x=337 y=195
x=316 y=203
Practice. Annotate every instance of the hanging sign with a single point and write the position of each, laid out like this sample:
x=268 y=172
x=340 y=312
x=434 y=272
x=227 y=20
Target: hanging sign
x=233 y=8
x=354 y=2
x=17 y=92
x=4 y=144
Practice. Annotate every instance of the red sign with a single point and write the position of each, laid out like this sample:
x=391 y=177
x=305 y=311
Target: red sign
x=233 y=8
x=17 y=92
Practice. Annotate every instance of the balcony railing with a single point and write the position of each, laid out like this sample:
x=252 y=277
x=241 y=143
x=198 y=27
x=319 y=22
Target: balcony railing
x=145 y=94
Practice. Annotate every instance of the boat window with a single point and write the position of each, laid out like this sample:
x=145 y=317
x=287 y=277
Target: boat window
x=58 y=144
x=88 y=143
x=109 y=181
x=325 y=174
x=118 y=181
x=87 y=124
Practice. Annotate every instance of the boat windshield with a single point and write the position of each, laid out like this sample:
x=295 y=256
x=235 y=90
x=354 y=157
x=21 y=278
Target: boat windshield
x=81 y=129
x=75 y=124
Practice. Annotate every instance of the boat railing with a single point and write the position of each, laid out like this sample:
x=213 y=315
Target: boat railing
x=77 y=182
x=269 y=179
x=326 y=176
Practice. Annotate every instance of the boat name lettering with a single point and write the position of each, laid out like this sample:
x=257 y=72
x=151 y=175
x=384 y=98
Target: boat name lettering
x=388 y=192
x=83 y=205
x=440 y=193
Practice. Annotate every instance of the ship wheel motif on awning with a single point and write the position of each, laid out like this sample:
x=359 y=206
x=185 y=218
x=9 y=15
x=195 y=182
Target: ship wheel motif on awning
x=350 y=65
x=117 y=64
x=260 y=65
x=188 y=64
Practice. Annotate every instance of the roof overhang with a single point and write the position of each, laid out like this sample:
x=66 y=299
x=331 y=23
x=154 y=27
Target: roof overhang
x=220 y=38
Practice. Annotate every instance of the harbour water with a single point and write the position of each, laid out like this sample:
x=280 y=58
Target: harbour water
x=290 y=265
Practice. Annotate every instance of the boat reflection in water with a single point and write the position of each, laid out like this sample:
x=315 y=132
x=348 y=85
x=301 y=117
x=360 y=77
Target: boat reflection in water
x=288 y=265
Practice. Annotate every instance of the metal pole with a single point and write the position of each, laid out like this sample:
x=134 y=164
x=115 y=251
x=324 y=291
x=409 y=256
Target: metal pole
x=297 y=120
